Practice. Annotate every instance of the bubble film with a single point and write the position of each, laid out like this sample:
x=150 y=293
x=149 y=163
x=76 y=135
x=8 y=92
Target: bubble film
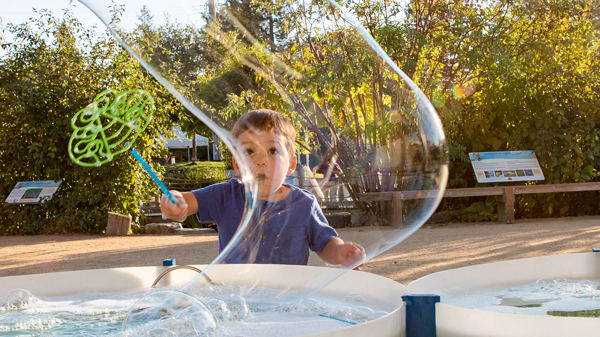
x=359 y=133
x=169 y=313
x=16 y=299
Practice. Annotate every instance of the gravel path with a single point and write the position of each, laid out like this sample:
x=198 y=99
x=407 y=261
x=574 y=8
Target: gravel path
x=430 y=249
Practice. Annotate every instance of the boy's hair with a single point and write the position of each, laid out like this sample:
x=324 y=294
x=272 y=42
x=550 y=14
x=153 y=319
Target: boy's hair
x=267 y=120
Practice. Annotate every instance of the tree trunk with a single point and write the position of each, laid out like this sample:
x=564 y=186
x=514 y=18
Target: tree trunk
x=194 y=148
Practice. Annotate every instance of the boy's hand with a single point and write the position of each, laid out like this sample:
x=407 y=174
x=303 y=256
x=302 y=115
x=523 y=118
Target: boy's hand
x=171 y=211
x=350 y=253
x=345 y=253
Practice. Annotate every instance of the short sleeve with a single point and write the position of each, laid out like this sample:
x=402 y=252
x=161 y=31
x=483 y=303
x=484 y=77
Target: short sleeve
x=212 y=201
x=319 y=231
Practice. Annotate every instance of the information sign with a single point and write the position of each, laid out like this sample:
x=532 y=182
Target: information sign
x=32 y=192
x=504 y=166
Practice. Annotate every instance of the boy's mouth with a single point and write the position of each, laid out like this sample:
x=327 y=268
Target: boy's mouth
x=261 y=176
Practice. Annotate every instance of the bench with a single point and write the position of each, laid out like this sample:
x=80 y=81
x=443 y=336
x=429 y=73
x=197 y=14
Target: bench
x=505 y=196
x=151 y=212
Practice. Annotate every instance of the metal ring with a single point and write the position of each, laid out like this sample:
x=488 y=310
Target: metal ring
x=180 y=267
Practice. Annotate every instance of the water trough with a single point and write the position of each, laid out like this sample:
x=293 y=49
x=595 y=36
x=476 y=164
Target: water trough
x=280 y=277
x=453 y=321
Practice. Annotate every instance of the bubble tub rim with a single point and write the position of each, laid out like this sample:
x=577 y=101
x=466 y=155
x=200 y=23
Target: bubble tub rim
x=137 y=278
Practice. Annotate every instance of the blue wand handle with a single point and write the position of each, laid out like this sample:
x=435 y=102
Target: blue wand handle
x=148 y=169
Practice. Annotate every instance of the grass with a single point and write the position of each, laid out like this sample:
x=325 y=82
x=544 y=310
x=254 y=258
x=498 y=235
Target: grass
x=196 y=165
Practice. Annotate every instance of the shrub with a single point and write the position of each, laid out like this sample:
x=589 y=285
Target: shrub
x=479 y=211
x=196 y=170
x=54 y=68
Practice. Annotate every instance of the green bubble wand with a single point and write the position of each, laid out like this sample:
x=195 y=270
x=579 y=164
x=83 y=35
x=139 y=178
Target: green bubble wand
x=108 y=127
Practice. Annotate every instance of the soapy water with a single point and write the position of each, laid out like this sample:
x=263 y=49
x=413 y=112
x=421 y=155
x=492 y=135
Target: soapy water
x=226 y=314
x=540 y=298
x=348 y=100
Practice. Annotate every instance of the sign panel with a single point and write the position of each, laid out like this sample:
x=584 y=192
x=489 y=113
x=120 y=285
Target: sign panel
x=32 y=192
x=505 y=166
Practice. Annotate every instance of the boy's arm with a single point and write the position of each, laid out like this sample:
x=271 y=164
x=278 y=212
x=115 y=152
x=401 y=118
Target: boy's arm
x=338 y=170
x=187 y=205
x=339 y=252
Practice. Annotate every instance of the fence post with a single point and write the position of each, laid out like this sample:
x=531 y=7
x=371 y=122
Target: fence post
x=397 y=209
x=506 y=205
x=300 y=175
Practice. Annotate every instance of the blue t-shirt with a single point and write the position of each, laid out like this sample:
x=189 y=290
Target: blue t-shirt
x=279 y=233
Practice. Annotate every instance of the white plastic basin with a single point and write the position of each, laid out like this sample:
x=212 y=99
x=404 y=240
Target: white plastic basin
x=454 y=321
x=279 y=277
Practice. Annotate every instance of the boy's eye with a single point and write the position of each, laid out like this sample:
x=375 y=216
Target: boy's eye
x=249 y=152
x=273 y=150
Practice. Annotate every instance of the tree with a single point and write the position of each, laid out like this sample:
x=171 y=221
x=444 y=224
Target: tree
x=192 y=62
x=496 y=76
x=537 y=80
x=503 y=75
x=198 y=66
x=341 y=95
x=54 y=68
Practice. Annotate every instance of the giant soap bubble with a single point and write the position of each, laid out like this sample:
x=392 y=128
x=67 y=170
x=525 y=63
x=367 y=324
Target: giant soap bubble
x=374 y=137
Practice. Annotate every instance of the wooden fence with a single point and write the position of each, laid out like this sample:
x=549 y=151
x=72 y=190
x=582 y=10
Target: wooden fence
x=505 y=196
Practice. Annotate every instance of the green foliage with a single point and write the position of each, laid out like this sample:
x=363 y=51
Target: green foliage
x=479 y=211
x=503 y=75
x=194 y=175
x=54 y=68
x=227 y=157
x=179 y=53
x=537 y=87
x=199 y=170
x=192 y=222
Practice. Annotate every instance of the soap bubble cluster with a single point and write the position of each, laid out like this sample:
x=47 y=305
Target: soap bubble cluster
x=347 y=311
x=169 y=313
x=559 y=288
x=172 y=313
x=17 y=299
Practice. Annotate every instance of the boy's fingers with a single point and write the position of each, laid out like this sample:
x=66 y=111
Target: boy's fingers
x=354 y=253
x=181 y=213
x=356 y=249
x=359 y=267
x=176 y=194
x=172 y=211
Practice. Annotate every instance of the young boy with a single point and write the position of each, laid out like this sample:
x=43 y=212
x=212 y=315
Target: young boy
x=288 y=220
x=332 y=172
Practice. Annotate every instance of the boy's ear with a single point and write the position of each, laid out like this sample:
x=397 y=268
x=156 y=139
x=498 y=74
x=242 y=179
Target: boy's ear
x=293 y=162
x=236 y=167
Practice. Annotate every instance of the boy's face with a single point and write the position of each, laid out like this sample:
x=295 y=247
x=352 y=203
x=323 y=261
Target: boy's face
x=266 y=154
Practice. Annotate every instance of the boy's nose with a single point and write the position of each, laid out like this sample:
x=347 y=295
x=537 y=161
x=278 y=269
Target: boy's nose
x=260 y=159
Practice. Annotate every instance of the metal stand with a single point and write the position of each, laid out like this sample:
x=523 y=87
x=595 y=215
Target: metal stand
x=179 y=267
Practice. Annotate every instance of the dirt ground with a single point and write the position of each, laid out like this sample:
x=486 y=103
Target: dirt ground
x=430 y=249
